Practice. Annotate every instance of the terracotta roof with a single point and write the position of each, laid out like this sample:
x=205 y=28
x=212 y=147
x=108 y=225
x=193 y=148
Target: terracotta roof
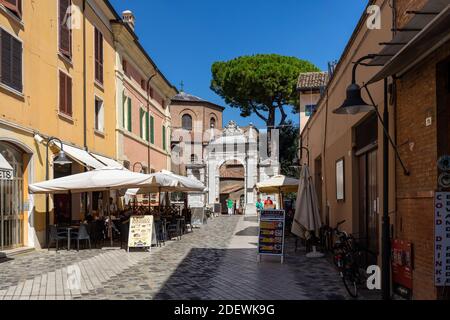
x=312 y=80
x=189 y=98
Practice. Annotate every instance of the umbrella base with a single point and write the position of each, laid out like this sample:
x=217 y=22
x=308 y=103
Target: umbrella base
x=315 y=254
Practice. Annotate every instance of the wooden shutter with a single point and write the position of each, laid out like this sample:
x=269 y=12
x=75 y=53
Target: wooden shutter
x=152 y=130
x=11 y=61
x=65 y=94
x=129 y=115
x=65 y=34
x=13 y=5
x=98 y=56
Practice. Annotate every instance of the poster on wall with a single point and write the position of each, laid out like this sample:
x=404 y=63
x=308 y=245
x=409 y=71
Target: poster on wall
x=442 y=239
x=140 y=234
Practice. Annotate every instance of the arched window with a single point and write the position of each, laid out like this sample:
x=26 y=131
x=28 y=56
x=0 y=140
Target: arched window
x=186 y=122
x=212 y=123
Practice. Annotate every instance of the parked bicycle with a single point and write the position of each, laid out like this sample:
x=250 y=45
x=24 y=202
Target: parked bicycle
x=348 y=257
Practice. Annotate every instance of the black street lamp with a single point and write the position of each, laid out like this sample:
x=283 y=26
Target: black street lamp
x=352 y=105
x=60 y=160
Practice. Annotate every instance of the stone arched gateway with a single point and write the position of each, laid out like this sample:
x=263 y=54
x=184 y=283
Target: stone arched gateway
x=234 y=144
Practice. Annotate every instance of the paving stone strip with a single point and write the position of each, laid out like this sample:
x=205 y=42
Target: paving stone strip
x=94 y=273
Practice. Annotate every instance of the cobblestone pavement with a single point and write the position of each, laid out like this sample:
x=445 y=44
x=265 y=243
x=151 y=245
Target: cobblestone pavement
x=217 y=261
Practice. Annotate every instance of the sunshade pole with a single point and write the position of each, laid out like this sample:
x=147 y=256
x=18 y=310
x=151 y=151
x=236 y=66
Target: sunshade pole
x=110 y=221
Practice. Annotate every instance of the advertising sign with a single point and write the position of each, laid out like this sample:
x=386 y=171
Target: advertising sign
x=402 y=266
x=140 y=234
x=442 y=239
x=271 y=233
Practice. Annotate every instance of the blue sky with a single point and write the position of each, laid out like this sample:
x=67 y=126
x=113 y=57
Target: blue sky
x=184 y=37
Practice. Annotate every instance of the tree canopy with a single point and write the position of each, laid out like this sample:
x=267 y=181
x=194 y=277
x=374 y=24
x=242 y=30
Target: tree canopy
x=260 y=84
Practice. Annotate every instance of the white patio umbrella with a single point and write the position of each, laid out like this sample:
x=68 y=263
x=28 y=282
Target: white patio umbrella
x=279 y=184
x=307 y=215
x=103 y=179
x=166 y=181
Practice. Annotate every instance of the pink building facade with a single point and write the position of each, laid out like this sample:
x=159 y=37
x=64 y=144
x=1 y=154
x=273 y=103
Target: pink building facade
x=143 y=96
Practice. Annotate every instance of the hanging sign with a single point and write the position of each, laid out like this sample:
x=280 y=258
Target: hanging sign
x=271 y=233
x=140 y=234
x=442 y=239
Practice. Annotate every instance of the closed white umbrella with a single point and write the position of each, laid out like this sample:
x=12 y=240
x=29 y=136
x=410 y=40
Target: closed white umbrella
x=307 y=215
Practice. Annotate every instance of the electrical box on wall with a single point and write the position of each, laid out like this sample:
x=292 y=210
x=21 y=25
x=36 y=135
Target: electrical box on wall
x=428 y=121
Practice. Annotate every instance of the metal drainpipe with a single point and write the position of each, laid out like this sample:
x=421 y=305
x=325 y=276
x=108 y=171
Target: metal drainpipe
x=148 y=111
x=386 y=236
x=84 y=100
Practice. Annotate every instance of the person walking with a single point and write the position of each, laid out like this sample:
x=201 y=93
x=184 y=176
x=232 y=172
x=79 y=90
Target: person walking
x=259 y=205
x=230 y=206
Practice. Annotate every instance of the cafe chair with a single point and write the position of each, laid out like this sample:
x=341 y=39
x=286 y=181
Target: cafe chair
x=56 y=236
x=174 y=229
x=82 y=234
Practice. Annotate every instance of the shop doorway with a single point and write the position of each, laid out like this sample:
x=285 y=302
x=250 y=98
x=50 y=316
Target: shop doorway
x=318 y=181
x=12 y=198
x=62 y=202
x=368 y=199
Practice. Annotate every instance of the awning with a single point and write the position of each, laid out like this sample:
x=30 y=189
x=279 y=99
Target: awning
x=82 y=157
x=425 y=32
x=108 y=161
x=6 y=171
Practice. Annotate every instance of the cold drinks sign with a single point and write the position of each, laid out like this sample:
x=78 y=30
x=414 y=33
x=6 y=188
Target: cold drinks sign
x=442 y=239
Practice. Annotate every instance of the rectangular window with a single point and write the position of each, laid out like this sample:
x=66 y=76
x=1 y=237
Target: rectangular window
x=11 y=61
x=141 y=123
x=310 y=109
x=65 y=94
x=65 y=34
x=98 y=56
x=164 y=138
x=15 y=6
x=99 y=115
x=129 y=112
x=340 y=180
x=152 y=130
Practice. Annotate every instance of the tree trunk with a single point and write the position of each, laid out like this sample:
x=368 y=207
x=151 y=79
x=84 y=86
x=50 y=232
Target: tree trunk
x=270 y=126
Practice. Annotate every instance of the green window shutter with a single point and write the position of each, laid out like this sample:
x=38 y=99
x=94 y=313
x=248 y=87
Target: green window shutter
x=129 y=115
x=141 y=118
x=164 y=137
x=146 y=126
x=152 y=130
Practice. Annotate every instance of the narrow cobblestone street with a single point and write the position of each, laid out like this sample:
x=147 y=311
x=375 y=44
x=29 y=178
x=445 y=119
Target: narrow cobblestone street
x=217 y=261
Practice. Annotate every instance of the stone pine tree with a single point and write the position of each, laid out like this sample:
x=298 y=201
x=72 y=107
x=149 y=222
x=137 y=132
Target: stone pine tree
x=261 y=84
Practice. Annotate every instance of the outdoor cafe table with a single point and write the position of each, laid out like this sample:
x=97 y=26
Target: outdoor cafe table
x=69 y=230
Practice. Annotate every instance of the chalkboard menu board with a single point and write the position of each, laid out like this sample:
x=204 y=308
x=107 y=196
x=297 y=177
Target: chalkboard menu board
x=140 y=234
x=271 y=233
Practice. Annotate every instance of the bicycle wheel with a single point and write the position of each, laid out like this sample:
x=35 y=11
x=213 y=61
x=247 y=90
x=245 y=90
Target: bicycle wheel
x=350 y=283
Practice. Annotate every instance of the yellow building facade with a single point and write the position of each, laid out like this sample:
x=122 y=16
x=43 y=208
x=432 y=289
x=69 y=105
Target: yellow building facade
x=58 y=80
